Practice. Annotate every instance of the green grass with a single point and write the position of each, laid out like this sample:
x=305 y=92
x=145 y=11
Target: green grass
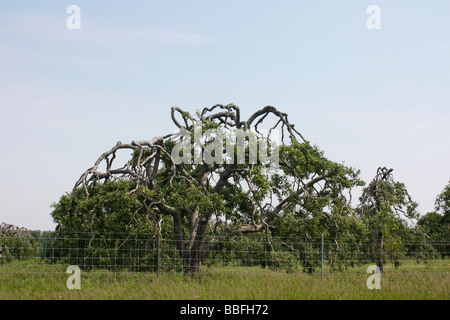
x=41 y=281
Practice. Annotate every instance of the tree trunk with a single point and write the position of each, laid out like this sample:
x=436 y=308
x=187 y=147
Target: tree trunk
x=379 y=244
x=194 y=256
x=194 y=263
x=191 y=252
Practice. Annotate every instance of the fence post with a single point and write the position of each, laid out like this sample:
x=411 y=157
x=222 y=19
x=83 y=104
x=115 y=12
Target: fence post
x=157 y=254
x=321 y=257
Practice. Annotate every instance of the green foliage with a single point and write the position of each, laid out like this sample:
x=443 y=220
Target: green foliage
x=436 y=228
x=110 y=208
x=110 y=228
x=17 y=244
x=281 y=260
x=442 y=204
x=433 y=225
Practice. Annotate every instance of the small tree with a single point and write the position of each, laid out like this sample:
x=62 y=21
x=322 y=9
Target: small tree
x=220 y=195
x=385 y=205
x=16 y=243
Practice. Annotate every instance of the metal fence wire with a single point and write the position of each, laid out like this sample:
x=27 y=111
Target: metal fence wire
x=146 y=253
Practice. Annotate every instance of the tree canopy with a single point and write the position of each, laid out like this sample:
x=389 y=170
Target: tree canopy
x=204 y=202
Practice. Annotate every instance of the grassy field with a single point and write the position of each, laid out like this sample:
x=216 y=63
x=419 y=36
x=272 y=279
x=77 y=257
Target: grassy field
x=39 y=281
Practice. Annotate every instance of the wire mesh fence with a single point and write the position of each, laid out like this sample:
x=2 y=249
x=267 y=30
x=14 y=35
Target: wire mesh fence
x=125 y=254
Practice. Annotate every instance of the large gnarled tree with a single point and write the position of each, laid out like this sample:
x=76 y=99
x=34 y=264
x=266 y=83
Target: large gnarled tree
x=205 y=201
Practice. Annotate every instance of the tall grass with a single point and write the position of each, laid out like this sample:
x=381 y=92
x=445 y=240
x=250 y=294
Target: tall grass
x=19 y=281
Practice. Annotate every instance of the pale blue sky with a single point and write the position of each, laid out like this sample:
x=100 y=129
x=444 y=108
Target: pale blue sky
x=367 y=97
